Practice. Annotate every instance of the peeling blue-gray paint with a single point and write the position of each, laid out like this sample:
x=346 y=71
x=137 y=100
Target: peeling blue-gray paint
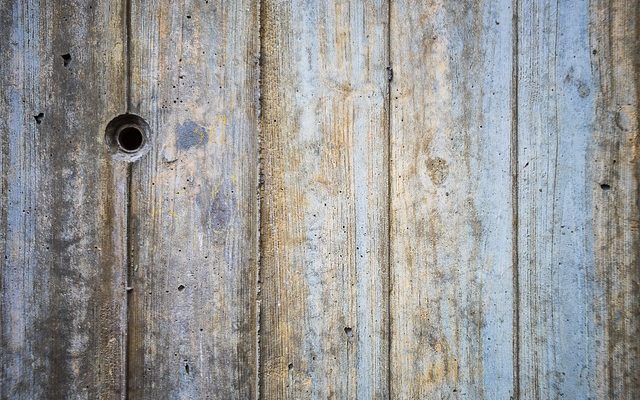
x=191 y=135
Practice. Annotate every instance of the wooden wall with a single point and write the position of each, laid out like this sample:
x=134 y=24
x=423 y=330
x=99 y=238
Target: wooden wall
x=341 y=199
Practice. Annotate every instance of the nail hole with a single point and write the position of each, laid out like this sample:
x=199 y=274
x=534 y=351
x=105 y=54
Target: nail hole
x=604 y=186
x=348 y=331
x=127 y=137
x=38 y=118
x=66 y=59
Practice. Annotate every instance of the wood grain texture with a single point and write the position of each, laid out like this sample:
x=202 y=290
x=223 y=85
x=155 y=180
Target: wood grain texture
x=62 y=200
x=451 y=201
x=614 y=29
x=342 y=199
x=323 y=325
x=578 y=199
x=192 y=311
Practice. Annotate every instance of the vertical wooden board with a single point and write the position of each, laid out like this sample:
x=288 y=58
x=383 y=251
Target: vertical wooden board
x=555 y=117
x=615 y=189
x=578 y=199
x=451 y=200
x=323 y=325
x=63 y=200
x=192 y=311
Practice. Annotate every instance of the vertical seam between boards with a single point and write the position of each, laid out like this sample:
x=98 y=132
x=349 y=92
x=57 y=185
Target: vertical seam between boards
x=514 y=202
x=128 y=279
x=389 y=211
x=127 y=6
x=128 y=217
x=260 y=182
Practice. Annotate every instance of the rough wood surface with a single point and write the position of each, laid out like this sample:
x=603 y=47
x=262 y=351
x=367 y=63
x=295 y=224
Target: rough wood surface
x=62 y=200
x=323 y=325
x=437 y=199
x=578 y=199
x=451 y=200
x=192 y=322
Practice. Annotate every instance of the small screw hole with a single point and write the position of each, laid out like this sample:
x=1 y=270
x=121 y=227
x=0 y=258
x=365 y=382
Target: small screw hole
x=130 y=139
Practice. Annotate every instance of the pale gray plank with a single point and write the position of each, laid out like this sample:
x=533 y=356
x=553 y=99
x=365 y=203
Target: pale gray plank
x=578 y=199
x=323 y=327
x=451 y=200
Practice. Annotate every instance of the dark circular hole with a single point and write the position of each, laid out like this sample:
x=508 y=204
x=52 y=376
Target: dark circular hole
x=127 y=137
x=130 y=139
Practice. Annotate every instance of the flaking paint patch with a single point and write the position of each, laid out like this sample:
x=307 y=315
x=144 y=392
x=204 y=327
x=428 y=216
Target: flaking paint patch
x=191 y=134
x=438 y=170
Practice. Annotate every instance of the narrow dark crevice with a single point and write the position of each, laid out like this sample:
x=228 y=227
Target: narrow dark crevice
x=128 y=217
x=259 y=383
x=389 y=209
x=128 y=280
x=514 y=204
x=127 y=7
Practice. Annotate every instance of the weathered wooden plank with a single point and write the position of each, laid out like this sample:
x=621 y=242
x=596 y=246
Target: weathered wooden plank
x=451 y=201
x=323 y=325
x=615 y=189
x=615 y=35
x=578 y=199
x=63 y=200
x=192 y=322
